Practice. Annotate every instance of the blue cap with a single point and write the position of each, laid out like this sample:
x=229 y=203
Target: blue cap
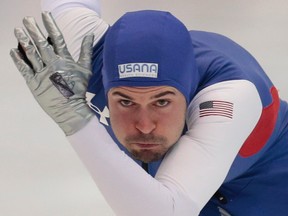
x=149 y=48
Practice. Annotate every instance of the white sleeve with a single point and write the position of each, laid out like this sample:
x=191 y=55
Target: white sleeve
x=190 y=173
x=127 y=188
x=58 y=6
x=76 y=18
x=202 y=158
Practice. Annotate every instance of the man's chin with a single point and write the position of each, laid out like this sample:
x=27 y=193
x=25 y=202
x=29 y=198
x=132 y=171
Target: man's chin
x=146 y=156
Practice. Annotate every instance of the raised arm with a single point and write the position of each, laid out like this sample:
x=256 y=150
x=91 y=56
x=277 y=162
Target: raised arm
x=59 y=6
x=76 y=18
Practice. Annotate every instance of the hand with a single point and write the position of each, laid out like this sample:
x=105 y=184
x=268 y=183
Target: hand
x=57 y=82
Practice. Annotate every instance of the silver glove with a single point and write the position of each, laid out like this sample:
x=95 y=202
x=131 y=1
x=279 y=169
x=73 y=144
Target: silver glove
x=56 y=81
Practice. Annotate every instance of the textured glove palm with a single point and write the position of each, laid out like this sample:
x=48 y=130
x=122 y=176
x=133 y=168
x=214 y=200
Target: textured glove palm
x=57 y=82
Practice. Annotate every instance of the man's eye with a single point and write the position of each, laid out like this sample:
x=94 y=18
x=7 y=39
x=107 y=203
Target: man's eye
x=126 y=103
x=162 y=103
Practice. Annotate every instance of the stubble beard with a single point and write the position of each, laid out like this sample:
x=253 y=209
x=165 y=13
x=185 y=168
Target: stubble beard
x=147 y=155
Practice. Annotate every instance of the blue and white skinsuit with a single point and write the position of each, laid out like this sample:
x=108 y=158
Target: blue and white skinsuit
x=231 y=163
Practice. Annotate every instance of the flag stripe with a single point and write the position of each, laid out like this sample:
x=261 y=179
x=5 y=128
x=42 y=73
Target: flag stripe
x=216 y=108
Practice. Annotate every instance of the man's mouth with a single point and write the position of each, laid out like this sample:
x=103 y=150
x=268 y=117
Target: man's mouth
x=146 y=145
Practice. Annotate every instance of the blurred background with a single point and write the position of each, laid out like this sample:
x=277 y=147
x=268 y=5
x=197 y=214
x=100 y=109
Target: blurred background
x=40 y=174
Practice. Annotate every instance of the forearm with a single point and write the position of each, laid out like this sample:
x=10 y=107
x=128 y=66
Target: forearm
x=58 y=6
x=76 y=18
x=128 y=189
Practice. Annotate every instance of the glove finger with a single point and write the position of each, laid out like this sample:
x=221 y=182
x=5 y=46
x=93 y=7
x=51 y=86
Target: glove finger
x=21 y=65
x=85 y=57
x=29 y=49
x=55 y=36
x=46 y=50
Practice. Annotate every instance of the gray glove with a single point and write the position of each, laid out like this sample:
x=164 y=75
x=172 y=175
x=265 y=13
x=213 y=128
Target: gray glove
x=56 y=81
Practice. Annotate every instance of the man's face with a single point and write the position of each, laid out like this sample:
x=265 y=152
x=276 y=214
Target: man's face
x=147 y=120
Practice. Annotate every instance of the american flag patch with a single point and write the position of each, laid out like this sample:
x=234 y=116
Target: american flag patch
x=216 y=108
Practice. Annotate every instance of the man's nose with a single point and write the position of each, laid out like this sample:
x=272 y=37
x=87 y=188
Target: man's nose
x=145 y=122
